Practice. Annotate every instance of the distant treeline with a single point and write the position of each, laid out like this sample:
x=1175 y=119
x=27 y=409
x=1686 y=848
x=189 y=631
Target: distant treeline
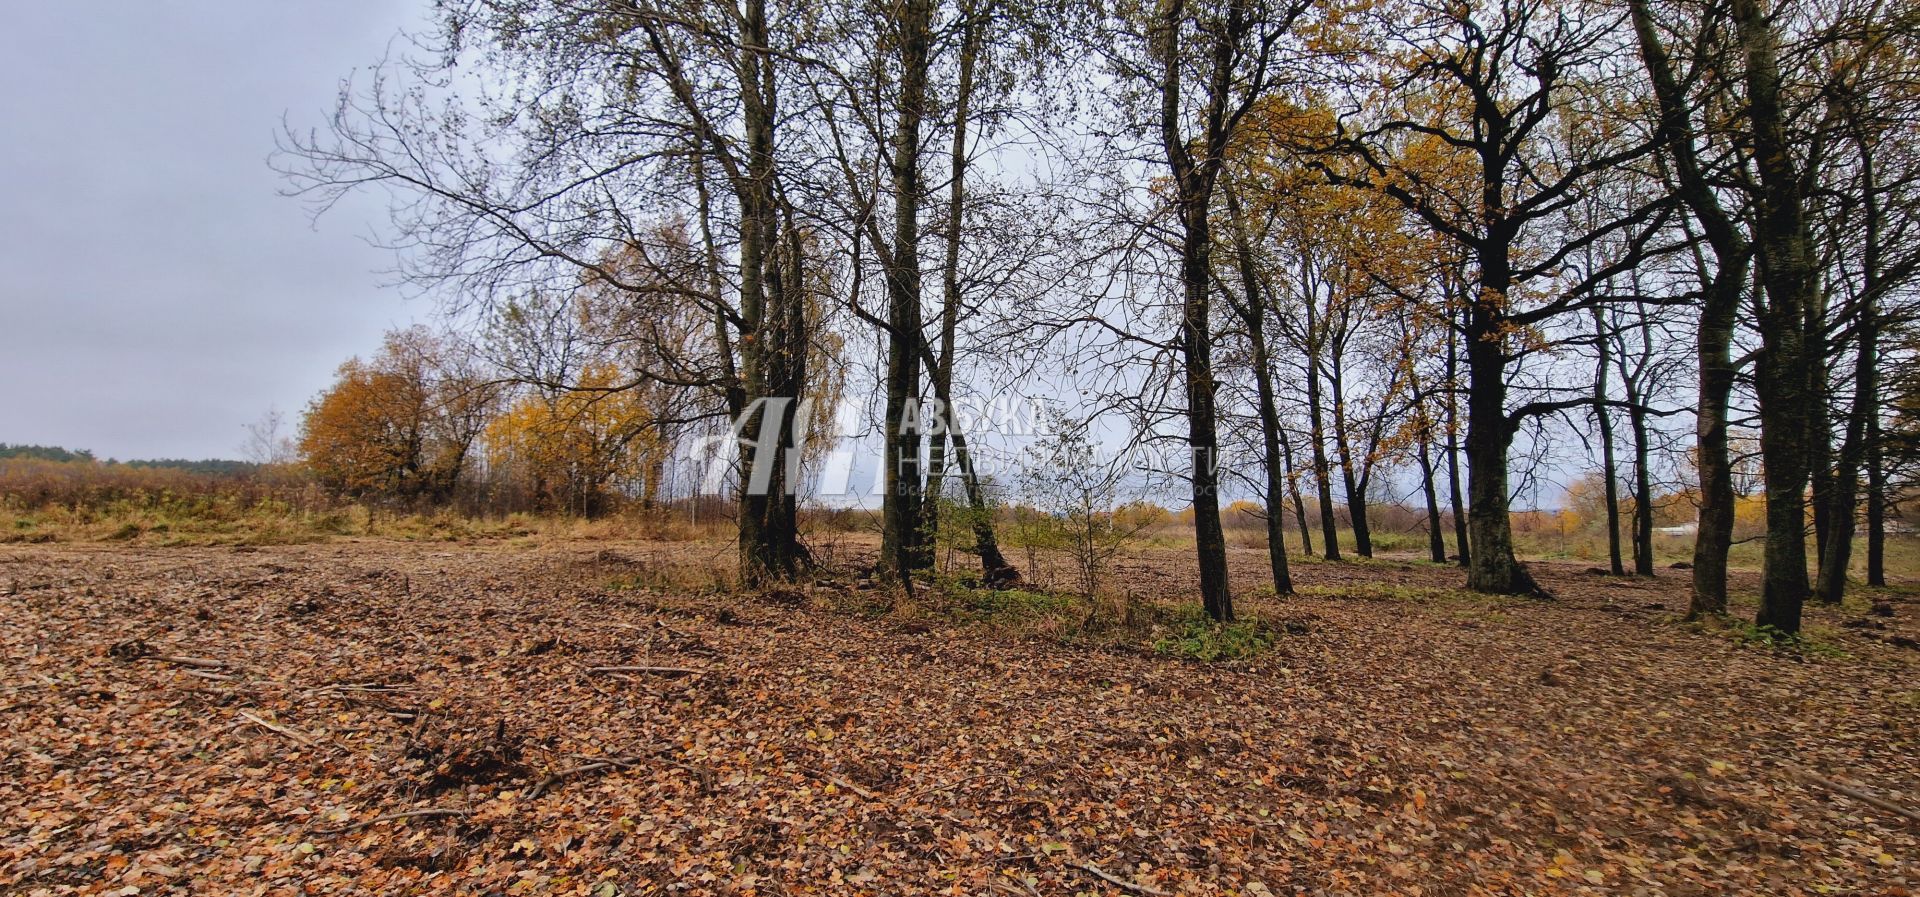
x=39 y=477
x=43 y=452
x=209 y=466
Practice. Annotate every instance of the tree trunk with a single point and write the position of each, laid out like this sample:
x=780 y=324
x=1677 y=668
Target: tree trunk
x=769 y=532
x=903 y=543
x=1194 y=178
x=1631 y=379
x=995 y=572
x=1783 y=376
x=1316 y=420
x=1713 y=536
x=1870 y=343
x=1642 y=490
x=1720 y=301
x=1299 y=503
x=1210 y=540
x=1876 y=499
x=1421 y=404
x=1276 y=497
x=1356 y=494
x=1831 y=582
x=1436 y=543
x=1838 y=551
x=1822 y=475
x=1604 y=421
x=1458 y=508
x=1493 y=568
x=1254 y=315
x=950 y=281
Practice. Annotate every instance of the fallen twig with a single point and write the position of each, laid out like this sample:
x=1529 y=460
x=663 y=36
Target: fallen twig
x=392 y=817
x=205 y=663
x=375 y=687
x=853 y=788
x=660 y=755
x=657 y=671
x=1122 y=883
x=555 y=778
x=601 y=764
x=958 y=783
x=280 y=729
x=419 y=727
x=1860 y=794
x=843 y=784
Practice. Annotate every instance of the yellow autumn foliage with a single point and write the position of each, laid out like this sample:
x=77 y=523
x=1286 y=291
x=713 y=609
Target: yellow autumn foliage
x=575 y=447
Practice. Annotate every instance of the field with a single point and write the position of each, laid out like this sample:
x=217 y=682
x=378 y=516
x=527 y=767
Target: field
x=569 y=716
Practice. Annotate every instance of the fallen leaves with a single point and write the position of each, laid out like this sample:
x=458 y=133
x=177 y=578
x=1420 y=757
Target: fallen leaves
x=477 y=719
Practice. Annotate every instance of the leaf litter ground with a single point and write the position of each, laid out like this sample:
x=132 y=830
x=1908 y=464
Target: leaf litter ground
x=394 y=718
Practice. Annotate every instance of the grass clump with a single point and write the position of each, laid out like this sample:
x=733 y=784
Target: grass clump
x=1197 y=638
x=1815 y=641
x=1003 y=605
x=689 y=580
x=1761 y=636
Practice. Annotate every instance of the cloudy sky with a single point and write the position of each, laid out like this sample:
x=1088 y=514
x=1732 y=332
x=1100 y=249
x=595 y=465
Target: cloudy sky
x=156 y=293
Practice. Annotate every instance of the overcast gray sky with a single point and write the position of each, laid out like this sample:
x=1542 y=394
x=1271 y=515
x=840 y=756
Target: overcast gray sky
x=156 y=294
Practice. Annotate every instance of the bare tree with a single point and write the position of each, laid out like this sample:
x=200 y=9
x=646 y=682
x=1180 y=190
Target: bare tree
x=611 y=119
x=1498 y=91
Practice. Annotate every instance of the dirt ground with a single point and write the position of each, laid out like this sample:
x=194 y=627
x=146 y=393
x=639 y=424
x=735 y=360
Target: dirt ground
x=393 y=718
